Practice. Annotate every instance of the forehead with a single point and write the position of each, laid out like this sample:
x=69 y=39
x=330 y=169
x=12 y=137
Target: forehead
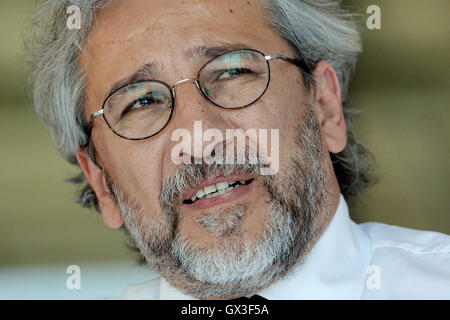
x=127 y=20
x=129 y=34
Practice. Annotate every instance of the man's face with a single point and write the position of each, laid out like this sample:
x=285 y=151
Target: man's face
x=176 y=236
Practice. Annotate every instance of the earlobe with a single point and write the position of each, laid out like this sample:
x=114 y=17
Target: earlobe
x=328 y=107
x=96 y=179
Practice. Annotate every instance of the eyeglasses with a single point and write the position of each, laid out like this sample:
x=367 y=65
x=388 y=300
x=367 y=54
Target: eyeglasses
x=233 y=80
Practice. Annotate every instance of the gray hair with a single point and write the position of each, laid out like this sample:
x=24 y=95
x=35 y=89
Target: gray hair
x=316 y=30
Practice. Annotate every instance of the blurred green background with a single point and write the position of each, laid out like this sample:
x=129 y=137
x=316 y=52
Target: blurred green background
x=401 y=85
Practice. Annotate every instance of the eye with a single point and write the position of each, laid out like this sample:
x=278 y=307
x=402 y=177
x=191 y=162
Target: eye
x=146 y=101
x=233 y=73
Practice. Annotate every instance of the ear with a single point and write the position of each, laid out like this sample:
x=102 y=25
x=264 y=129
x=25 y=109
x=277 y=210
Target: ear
x=328 y=107
x=96 y=178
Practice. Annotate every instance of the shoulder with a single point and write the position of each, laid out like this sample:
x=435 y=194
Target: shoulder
x=148 y=290
x=413 y=264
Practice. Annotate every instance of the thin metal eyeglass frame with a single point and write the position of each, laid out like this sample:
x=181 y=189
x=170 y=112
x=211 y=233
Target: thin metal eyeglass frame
x=298 y=62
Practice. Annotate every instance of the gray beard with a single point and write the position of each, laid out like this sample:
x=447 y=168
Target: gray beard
x=232 y=266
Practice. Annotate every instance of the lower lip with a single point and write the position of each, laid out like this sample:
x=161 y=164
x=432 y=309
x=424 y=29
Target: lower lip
x=234 y=194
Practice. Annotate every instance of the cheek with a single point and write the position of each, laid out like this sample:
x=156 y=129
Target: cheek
x=281 y=108
x=135 y=167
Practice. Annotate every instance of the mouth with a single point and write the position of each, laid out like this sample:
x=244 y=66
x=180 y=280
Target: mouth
x=216 y=192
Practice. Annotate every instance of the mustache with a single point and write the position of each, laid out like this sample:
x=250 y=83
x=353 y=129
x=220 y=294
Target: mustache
x=187 y=176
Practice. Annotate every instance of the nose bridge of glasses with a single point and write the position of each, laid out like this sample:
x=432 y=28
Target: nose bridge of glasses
x=184 y=81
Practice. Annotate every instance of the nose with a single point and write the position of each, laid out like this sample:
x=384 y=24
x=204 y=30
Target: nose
x=198 y=129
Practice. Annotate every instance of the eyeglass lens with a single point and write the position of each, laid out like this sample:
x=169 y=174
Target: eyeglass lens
x=233 y=80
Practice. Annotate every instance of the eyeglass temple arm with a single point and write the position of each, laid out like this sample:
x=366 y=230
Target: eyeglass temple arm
x=298 y=62
x=93 y=116
x=88 y=127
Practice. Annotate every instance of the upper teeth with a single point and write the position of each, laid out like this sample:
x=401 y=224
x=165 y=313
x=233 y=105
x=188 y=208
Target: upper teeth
x=215 y=190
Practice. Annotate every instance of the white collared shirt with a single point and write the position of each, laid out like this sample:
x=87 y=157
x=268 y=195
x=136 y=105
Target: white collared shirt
x=350 y=261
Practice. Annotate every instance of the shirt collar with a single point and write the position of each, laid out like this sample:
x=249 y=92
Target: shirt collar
x=335 y=268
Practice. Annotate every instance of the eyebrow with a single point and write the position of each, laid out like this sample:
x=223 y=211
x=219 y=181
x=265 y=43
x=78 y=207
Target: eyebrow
x=197 y=53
